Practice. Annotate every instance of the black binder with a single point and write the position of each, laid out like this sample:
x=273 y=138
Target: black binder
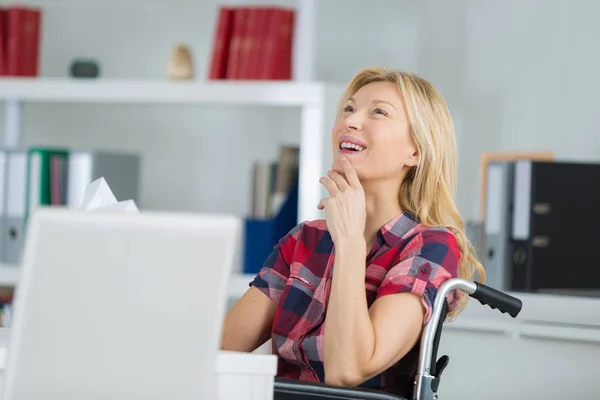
x=555 y=234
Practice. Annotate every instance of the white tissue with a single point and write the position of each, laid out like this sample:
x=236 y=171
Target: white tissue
x=126 y=205
x=98 y=196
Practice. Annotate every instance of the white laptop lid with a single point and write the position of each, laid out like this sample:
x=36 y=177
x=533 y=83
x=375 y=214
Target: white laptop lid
x=120 y=306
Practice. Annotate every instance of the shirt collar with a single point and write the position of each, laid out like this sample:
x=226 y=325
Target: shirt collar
x=398 y=227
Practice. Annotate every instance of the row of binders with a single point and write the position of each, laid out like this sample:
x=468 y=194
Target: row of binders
x=542 y=226
x=38 y=176
x=253 y=42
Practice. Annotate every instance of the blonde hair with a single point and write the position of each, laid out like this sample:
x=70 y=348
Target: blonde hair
x=428 y=189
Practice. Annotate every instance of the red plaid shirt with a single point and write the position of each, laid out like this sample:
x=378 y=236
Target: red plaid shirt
x=406 y=257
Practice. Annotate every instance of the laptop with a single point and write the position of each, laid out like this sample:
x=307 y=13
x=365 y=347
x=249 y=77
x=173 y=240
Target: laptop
x=114 y=305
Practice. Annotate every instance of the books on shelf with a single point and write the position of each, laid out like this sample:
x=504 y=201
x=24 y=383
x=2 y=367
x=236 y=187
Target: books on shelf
x=253 y=43
x=274 y=206
x=272 y=182
x=20 y=31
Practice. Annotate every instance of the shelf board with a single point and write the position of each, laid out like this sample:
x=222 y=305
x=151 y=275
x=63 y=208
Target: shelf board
x=9 y=275
x=128 y=91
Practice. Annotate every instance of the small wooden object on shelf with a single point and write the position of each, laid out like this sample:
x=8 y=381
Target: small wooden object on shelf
x=181 y=66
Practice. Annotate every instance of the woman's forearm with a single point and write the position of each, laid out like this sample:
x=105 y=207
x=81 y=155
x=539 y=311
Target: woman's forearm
x=349 y=339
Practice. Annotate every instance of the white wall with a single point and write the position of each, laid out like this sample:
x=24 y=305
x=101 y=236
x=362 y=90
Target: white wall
x=517 y=76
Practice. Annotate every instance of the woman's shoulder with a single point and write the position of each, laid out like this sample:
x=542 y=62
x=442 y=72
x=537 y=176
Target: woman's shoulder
x=315 y=224
x=429 y=233
x=310 y=230
x=437 y=242
x=305 y=238
x=436 y=233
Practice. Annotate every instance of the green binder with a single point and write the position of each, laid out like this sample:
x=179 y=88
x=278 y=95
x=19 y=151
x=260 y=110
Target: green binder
x=40 y=177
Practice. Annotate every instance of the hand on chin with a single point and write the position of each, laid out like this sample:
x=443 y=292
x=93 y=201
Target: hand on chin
x=338 y=166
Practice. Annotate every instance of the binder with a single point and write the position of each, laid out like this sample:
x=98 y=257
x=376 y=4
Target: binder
x=34 y=177
x=12 y=236
x=3 y=192
x=475 y=233
x=44 y=176
x=554 y=236
x=262 y=234
x=498 y=222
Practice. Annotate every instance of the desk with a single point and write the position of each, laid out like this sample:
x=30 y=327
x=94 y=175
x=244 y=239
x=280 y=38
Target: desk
x=245 y=376
x=240 y=376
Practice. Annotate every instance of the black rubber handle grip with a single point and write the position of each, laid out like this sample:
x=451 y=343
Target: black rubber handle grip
x=497 y=299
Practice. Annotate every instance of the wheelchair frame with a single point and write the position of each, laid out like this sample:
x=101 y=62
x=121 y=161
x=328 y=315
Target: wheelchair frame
x=429 y=370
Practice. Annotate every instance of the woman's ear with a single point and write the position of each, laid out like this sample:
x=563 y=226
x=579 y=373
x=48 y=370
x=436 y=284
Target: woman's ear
x=413 y=159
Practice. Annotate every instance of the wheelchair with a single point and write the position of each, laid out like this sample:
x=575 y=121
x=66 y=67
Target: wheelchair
x=429 y=370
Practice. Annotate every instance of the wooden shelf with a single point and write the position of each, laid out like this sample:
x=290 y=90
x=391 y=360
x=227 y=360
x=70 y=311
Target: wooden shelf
x=265 y=93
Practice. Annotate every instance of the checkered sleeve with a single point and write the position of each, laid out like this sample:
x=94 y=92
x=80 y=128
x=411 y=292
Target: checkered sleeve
x=428 y=260
x=272 y=277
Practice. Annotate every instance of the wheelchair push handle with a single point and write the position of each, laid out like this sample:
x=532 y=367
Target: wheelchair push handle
x=497 y=299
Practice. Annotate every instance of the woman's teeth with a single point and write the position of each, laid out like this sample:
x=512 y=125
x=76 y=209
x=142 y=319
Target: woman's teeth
x=351 y=146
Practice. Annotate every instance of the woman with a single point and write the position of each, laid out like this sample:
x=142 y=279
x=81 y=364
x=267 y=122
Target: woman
x=344 y=299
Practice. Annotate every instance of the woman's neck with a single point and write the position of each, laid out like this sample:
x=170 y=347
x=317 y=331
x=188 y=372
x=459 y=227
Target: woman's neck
x=382 y=205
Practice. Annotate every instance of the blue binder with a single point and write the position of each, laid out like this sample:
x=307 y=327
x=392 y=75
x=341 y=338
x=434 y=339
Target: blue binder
x=261 y=235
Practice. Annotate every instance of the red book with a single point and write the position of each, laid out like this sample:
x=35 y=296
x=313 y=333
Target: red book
x=248 y=43
x=15 y=40
x=278 y=45
x=284 y=64
x=222 y=39
x=240 y=16
x=3 y=29
x=22 y=40
x=32 y=41
x=258 y=35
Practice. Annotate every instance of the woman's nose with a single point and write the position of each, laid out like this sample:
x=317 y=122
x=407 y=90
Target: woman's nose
x=353 y=123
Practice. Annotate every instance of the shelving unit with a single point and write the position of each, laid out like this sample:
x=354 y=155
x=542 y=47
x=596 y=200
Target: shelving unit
x=317 y=102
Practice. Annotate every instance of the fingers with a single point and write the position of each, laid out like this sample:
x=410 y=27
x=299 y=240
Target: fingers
x=330 y=185
x=324 y=203
x=341 y=182
x=335 y=182
x=321 y=205
x=350 y=173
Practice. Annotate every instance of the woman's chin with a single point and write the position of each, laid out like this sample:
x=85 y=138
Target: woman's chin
x=337 y=167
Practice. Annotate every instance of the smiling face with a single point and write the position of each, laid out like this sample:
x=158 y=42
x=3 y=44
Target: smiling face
x=373 y=132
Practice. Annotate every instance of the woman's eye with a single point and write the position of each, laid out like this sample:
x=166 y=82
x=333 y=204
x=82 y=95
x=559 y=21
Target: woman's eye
x=348 y=109
x=380 y=111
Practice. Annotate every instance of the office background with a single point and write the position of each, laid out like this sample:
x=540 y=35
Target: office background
x=517 y=75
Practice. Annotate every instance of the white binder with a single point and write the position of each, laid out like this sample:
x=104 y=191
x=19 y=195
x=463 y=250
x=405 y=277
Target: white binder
x=498 y=222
